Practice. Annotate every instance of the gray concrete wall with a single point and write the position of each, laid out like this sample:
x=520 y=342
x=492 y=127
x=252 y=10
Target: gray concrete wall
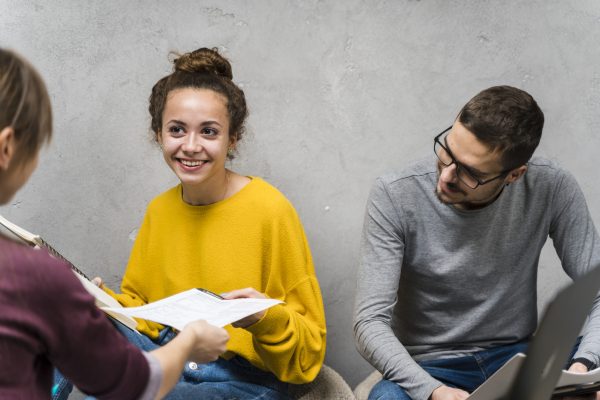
x=339 y=91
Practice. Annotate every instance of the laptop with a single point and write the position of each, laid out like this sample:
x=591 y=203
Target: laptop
x=534 y=377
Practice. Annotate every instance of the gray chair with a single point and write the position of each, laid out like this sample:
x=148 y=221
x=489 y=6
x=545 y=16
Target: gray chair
x=328 y=385
x=363 y=389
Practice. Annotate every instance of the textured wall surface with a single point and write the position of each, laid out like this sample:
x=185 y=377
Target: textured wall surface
x=339 y=92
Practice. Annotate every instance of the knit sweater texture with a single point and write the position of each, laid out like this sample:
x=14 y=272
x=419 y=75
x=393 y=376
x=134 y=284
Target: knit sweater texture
x=251 y=239
x=48 y=320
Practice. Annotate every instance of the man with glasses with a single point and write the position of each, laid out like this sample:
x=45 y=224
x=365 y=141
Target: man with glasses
x=447 y=283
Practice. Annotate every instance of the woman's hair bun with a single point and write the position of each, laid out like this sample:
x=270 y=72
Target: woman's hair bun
x=204 y=60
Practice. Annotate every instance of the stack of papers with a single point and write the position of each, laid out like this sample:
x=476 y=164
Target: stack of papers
x=179 y=310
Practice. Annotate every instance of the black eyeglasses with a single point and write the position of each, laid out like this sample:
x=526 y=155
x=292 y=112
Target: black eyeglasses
x=464 y=173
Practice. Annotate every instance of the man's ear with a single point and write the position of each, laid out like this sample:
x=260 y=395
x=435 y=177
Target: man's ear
x=7 y=147
x=516 y=173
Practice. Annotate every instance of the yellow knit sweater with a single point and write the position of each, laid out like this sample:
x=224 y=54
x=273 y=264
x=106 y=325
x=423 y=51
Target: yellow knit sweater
x=251 y=239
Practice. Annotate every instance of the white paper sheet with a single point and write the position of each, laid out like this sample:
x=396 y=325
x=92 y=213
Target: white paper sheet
x=180 y=309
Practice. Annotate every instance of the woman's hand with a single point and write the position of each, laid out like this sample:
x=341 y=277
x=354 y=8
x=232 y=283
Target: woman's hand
x=209 y=341
x=245 y=294
x=98 y=282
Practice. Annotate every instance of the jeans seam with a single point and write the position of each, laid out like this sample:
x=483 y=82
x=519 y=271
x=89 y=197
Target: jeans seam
x=480 y=361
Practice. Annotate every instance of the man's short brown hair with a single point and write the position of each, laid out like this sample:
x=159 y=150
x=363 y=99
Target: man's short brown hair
x=508 y=120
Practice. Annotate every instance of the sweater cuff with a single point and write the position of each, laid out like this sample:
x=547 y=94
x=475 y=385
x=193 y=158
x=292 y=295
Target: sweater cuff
x=266 y=325
x=583 y=353
x=590 y=365
x=108 y=290
x=425 y=391
x=155 y=378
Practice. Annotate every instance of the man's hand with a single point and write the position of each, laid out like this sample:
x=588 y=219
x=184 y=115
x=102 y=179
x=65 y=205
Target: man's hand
x=448 y=393
x=244 y=294
x=579 y=368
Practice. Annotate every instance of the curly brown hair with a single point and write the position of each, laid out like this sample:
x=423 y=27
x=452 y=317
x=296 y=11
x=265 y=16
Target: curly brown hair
x=202 y=69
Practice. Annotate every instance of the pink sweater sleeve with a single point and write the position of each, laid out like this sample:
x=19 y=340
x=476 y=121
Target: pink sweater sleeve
x=54 y=319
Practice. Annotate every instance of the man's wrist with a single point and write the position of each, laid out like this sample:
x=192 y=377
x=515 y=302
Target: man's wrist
x=590 y=365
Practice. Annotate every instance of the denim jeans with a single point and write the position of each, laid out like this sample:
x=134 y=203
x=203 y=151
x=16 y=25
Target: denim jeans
x=61 y=387
x=466 y=372
x=231 y=379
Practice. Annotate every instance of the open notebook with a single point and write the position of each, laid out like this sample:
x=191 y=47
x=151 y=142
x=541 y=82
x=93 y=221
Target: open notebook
x=103 y=300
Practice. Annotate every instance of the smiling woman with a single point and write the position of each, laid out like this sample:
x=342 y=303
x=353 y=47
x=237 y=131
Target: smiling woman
x=231 y=234
x=198 y=116
x=195 y=142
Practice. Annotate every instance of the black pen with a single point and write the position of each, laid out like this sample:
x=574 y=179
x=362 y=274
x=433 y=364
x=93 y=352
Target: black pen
x=211 y=293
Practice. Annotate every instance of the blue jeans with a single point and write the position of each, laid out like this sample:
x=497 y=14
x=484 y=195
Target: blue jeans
x=235 y=378
x=61 y=387
x=232 y=379
x=466 y=373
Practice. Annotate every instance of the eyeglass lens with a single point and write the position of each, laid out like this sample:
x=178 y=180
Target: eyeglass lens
x=447 y=160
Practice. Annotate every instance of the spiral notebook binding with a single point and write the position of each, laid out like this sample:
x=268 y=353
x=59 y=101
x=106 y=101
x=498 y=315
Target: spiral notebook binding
x=36 y=240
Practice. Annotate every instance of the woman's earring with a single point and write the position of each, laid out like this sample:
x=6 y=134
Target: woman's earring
x=230 y=152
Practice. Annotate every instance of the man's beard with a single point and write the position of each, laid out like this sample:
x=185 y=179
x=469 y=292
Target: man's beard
x=451 y=186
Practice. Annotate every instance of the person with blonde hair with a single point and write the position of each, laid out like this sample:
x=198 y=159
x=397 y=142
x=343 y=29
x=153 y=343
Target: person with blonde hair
x=48 y=319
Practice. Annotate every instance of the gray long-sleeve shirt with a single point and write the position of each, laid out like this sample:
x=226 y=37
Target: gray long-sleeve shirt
x=435 y=281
